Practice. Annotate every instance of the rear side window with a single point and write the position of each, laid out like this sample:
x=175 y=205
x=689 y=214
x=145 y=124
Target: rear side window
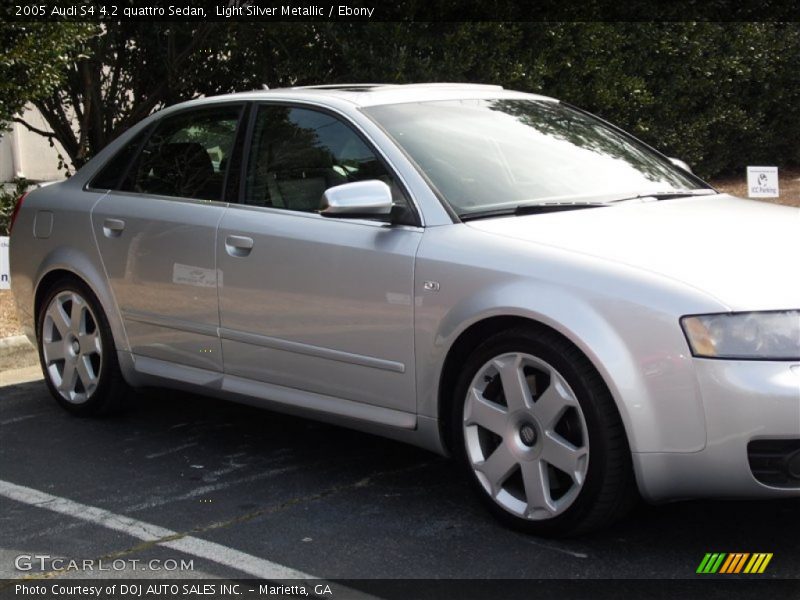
x=187 y=155
x=109 y=176
x=297 y=153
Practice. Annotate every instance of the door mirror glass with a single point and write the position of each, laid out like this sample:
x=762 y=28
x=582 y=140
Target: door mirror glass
x=357 y=200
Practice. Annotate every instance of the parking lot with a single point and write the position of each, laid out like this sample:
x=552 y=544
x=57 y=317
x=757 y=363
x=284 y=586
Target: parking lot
x=243 y=492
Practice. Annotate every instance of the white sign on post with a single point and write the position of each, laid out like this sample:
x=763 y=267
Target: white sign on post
x=5 y=276
x=762 y=182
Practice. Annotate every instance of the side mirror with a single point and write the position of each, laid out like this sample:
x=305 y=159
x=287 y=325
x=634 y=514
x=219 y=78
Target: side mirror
x=681 y=165
x=357 y=200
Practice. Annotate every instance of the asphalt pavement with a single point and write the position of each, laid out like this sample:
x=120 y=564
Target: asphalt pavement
x=264 y=490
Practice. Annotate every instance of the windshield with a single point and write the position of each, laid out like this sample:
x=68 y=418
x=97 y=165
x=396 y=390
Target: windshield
x=487 y=154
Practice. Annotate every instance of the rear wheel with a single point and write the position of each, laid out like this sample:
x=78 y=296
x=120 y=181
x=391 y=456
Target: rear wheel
x=77 y=351
x=540 y=436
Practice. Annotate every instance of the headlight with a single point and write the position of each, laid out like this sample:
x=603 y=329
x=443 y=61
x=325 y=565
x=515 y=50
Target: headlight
x=754 y=335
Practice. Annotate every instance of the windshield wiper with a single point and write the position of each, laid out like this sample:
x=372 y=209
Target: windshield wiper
x=528 y=209
x=548 y=207
x=667 y=195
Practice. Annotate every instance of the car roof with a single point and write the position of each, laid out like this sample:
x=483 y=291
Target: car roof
x=373 y=94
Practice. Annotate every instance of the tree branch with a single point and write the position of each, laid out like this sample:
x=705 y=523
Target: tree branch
x=31 y=128
x=157 y=94
x=62 y=127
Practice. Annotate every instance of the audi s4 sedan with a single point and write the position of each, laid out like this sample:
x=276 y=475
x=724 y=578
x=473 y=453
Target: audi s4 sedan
x=501 y=277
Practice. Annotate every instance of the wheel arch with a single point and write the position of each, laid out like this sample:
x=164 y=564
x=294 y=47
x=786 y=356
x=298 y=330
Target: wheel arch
x=471 y=337
x=67 y=262
x=46 y=283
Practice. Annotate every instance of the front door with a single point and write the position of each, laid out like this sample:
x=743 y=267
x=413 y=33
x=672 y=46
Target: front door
x=309 y=302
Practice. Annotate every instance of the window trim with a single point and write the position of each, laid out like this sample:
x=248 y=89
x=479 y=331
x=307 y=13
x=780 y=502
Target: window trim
x=151 y=128
x=445 y=205
x=633 y=139
x=231 y=194
x=348 y=122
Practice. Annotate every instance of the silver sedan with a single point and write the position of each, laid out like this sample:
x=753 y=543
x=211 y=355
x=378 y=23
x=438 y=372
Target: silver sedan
x=494 y=275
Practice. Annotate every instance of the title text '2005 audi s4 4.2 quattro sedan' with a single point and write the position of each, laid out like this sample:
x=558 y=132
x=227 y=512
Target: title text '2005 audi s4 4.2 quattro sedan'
x=494 y=275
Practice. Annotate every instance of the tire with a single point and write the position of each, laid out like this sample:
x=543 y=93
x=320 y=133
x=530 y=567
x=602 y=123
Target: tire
x=77 y=351
x=539 y=435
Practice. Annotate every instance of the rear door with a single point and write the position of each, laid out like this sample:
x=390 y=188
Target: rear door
x=309 y=302
x=156 y=233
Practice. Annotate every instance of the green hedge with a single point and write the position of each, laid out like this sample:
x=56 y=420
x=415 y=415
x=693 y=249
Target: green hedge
x=720 y=96
x=9 y=194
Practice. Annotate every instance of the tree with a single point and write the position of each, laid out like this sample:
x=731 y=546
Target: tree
x=720 y=95
x=121 y=73
x=119 y=76
x=34 y=61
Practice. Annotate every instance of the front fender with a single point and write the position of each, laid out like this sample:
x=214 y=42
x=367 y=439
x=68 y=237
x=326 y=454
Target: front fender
x=627 y=324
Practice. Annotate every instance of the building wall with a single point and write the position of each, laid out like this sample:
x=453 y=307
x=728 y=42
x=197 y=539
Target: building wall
x=29 y=155
x=6 y=158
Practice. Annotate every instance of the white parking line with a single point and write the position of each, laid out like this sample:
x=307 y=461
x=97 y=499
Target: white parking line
x=17 y=419
x=241 y=561
x=171 y=450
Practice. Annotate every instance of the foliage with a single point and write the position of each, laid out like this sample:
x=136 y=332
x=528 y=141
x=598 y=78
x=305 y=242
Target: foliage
x=718 y=95
x=33 y=61
x=121 y=75
x=8 y=199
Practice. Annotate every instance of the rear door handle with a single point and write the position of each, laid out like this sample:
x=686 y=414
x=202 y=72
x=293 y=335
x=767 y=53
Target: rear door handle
x=238 y=245
x=113 y=227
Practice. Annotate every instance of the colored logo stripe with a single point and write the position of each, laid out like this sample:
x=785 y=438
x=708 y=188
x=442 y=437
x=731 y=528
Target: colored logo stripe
x=733 y=563
x=758 y=564
x=711 y=562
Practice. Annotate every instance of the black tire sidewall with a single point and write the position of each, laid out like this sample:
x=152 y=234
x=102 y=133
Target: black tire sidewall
x=548 y=349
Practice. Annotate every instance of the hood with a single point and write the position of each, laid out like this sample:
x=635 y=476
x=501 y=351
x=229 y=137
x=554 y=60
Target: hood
x=743 y=252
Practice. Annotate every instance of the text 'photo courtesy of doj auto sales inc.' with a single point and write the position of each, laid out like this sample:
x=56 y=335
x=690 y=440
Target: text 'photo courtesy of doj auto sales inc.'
x=131 y=589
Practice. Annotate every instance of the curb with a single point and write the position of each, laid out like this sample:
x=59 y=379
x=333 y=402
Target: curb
x=14 y=343
x=16 y=351
x=20 y=375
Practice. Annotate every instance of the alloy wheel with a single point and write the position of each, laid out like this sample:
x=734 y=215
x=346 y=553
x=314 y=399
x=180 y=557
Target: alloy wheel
x=72 y=347
x=526 y=436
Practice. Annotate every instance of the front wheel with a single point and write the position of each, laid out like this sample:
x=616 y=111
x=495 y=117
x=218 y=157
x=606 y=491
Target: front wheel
x=77 y=352
x=540 y=436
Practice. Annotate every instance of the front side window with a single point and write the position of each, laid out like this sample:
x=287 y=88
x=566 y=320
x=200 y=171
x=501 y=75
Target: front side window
x=298 y=153
x=489 y=154
x=187 y=155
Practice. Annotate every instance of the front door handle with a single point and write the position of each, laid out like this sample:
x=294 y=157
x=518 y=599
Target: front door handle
x=113 y=227
x=238 y=245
